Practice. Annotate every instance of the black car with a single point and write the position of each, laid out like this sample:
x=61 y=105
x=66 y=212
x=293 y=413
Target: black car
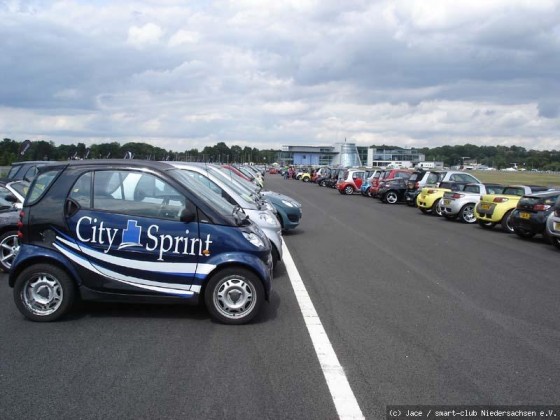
x=393 y=190
x=331 y=180
x=414 y=185
x=529 y=217
x=139 y=231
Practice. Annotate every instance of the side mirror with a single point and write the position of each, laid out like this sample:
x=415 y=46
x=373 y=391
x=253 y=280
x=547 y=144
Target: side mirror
x=187 y=215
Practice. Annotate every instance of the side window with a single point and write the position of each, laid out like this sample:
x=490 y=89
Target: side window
x=81 y=191
x=39 y=185
x=470 y=178
x=137 y=194
x=432 y=178
x=4 y=204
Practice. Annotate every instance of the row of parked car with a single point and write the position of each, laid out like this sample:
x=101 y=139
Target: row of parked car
x=526 y=210
x=131 y=230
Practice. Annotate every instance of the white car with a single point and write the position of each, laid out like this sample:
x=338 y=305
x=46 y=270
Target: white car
x=553 y=225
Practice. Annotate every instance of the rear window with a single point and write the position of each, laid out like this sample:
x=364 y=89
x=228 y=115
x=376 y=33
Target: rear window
x=472 y=189
x=513 y=191
x=40 y=185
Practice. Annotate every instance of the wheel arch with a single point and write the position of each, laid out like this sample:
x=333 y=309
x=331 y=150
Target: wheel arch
x=44 y=259
x=234 y=264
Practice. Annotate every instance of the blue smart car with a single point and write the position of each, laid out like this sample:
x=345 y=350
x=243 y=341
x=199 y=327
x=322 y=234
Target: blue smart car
x=135 y=231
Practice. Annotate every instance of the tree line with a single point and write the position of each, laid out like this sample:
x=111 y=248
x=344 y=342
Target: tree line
x=494 y=156
x=13 y=151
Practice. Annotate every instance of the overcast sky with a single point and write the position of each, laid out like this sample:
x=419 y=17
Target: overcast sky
x=187 y=74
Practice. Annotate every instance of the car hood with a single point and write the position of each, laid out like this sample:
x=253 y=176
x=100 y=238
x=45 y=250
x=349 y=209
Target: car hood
x=271 y=195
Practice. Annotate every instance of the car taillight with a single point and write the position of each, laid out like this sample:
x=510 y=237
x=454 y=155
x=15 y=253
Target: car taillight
x=20 y=224
x=417 y=185
x=500 y=199
x=455 y=195
x=541 y=207
x=430 y=191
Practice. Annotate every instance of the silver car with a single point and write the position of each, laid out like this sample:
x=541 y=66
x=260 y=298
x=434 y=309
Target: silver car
x=461 y=204
x=261 y=213
x=553 y=225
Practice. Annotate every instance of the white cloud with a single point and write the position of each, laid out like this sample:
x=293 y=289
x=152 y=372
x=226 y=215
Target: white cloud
x=148 y=34
x=187 y=74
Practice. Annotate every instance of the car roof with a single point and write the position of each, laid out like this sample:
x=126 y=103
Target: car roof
x=122 y=163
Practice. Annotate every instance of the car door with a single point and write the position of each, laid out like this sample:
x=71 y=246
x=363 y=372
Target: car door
x=358 y=178
x=128 y=236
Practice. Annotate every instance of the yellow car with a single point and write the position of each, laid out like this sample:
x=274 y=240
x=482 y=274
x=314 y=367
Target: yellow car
x=429 y=200
x=497 y=208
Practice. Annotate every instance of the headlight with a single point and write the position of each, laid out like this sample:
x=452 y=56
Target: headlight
x=254 y=239
x=270 y=207
x=288 y=203
x=266 y=217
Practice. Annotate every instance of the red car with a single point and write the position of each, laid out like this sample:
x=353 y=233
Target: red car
x=351 y=181
x=385 y=176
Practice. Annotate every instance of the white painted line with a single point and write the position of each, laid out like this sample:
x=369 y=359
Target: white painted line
x=344 y=400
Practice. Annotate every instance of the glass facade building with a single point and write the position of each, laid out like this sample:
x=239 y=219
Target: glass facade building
x=346 y=154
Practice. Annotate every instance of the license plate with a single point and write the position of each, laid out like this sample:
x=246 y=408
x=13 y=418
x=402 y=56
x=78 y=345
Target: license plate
x=446 y=202
x=524 y=215
x=556 y=226
x=485 y=206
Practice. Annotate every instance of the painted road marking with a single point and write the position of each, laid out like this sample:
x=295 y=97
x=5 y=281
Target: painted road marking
x=344 y=400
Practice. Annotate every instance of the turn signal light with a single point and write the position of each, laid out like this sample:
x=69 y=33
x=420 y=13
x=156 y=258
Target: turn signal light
x=500 y=199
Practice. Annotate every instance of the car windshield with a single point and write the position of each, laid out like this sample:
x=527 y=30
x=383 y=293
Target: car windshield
x=203 y=193
x=243 y=191
x=238 y=189
x=232 y=176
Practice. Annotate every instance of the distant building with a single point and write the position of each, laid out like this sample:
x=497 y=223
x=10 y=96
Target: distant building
x=384 y=157
x=348 y=155
x=343 y=154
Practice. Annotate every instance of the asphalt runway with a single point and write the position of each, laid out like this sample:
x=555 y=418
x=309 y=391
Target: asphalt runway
x=419 y=310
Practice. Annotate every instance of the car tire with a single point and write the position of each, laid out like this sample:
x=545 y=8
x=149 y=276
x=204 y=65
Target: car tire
x=9 y=247
x=425 y=211
x=486 y=225
x=523 y=233
x=349 y=190
x=466 y=214
x=437 y=209
x=44 y=292
x=306 y=179
x=555 y=241
x=322 y=183
x=506 y=225
x=234 y=296
x=391 y=197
